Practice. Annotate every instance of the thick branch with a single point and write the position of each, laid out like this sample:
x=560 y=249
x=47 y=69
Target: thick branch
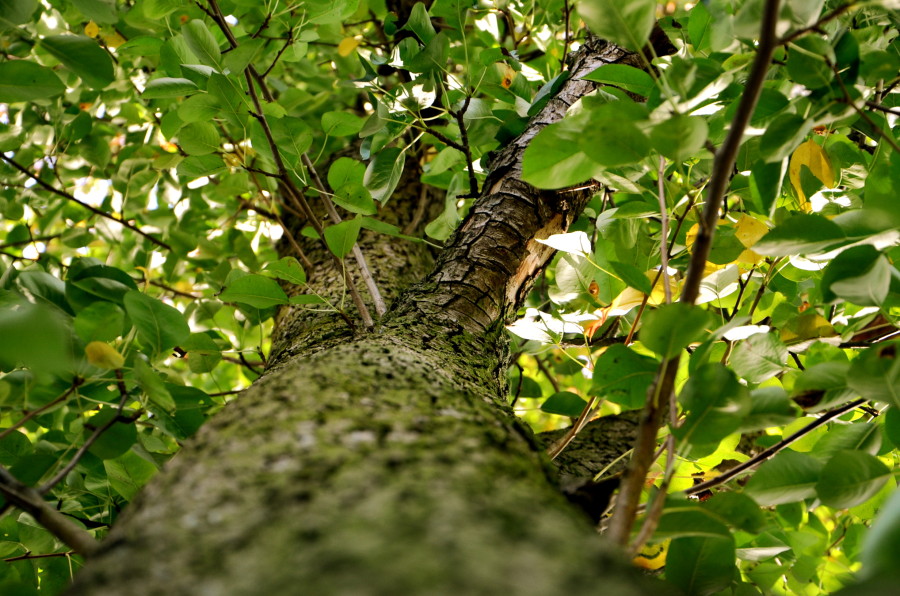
x=490 y=263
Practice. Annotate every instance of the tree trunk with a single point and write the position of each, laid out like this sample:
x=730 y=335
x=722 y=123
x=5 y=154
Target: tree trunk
x=385 y=463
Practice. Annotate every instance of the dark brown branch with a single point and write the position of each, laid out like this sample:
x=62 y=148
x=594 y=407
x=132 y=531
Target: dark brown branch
x=29 y=500
x=771 y=451
x=28 y=555
x=818 y=24
x=662 y=387
x=61 y=474
x=76 y=382
x=91 y=208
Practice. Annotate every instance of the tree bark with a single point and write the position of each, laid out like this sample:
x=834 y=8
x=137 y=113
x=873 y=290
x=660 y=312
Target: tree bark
x=386 y=463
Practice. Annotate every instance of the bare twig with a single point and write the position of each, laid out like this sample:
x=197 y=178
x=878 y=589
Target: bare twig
x=818 y=24
x=76 y=382
x=663 y=385
x=664 y=228
x=464 y=135
x=251 y=75
x=364 y=271
x=771 y=451
x=61 y=474
x=91 y=208
x=28 y=555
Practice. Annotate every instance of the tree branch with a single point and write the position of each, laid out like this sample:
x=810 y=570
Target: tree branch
x=29 y=500
x=663 y=386
x=91 y=208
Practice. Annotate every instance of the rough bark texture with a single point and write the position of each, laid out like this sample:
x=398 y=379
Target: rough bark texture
x=388 y=463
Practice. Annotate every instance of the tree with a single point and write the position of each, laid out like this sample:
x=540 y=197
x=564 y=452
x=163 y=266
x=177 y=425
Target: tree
x=683 y=216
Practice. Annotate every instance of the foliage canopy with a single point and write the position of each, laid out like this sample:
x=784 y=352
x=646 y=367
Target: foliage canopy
x=150 y=152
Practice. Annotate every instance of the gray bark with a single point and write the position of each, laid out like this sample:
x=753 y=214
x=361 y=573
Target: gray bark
x=388 y=463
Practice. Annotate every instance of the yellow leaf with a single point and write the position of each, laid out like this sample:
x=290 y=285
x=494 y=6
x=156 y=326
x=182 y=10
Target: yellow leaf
x=652 y=556
x=113 y=40
x=509 y=75
x=630 y=297
x=749 y=230
x=347 y=45
x=811 y=155
x=805 y=327
x=91 y=29
x=103 y=355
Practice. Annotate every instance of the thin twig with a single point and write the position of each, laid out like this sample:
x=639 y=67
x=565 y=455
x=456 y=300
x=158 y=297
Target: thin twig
x=464 y=135
x=28 y=555
x=771 y=451
x=364 y=271
x=251 y=75
x=664 y=228
x=76 y=382
x=61 y=474
x=91 y=208
x=663 y=385
x=818 y=24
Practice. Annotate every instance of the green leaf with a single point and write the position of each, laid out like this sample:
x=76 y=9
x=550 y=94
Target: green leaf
x=882 y=543
x=101 y=11
x=672 y=327
x=627 y=24
x=868 y=288
x=804 y=233
x=35 y=336
x=152 y=385
x=612 y=138
x=554 y=158
x=383 y=173
x=759 y=357
x=420 y=23
x=770 y=406
x=701 y=566
x=623 y=376
x=199 y=138
x=199 y=108
x=203 y=355
x=345 y=170
x=115 y=440
x=782 y=136
x=341 y=237
x=21 y=80
x=680 y=520
x=159 y=325
x=201 y=42
x=632 y=276
x=83 y=56
x=700 y=27
x=809 y=61
x=254 y=290
x=738 y=510
x=564 y=403
x=786 y=478
x=712 y=415
x=629 y=78
x=165 y=87
x=287 y=269
x=195 y=166
x=129 y=473
x=875 y=374
x=15 y=12
x=341 y=124
x=851 y=478
x=679 y=137
x=100 y=321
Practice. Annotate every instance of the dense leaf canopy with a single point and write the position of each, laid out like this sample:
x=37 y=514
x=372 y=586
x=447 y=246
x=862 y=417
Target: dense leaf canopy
x=153 y=154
